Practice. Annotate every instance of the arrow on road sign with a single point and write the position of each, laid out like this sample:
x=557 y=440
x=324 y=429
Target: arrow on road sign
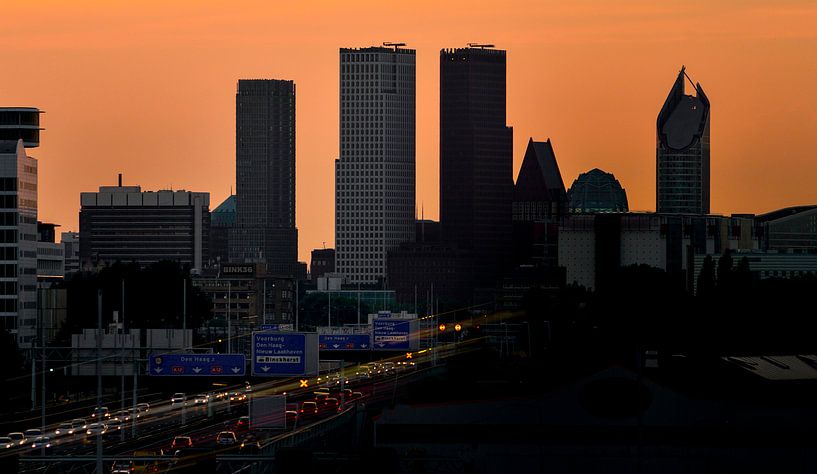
x=336 y=346
x=236 y=370
x=158 y=370
x=380 y=344
x=265 y=368
x=196 y=369
x=364 y=346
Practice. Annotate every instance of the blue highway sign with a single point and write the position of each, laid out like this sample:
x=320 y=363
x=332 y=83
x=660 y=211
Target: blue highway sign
x=284 y=353
x=276 y=327
x=391 y=334
x=197 y=365
x=344 y=342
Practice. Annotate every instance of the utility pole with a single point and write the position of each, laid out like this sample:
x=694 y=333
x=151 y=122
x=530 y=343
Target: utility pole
x=99 y=467
x=229 y=328
x=184 y=312
x=122 y=358
x=42 y=380
x=296 y=305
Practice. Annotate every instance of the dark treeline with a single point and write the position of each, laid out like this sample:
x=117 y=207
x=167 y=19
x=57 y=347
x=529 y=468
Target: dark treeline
x=153 y=298
x=644 y=308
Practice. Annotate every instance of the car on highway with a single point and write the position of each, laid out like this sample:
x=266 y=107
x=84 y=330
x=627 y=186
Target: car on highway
x=96 y=429
x=388 y=367
x=363 y=371
x=41 y=442
x=32 y=433
x=64 y=429
x=78 y=425
x=243 y=423
x=180 y=442
x=178 y=400
x=346 y=393
x=144 y=465
x=320 y=398
x=201 y=399
x=6 y=442
x=114 y=424
x=250 y=447
x=291 y=418
x=123 y=465
x=330 y=405
x=101 y=413
x=18 y=437
x=134 y=413
x=226 y=438
x=123 y=416
x=238 y=397
x=143 y=407
x=309 y=410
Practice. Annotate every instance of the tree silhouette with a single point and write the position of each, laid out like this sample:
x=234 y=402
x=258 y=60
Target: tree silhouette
x=706 y=278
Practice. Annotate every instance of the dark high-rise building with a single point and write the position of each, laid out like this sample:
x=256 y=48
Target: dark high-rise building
x=265 y=175
x=476 y=156
x=539 y=201
x=539 y=192
x=682 y=151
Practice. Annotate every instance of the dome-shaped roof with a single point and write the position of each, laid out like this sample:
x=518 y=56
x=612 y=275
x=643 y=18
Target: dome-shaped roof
x=597 y=191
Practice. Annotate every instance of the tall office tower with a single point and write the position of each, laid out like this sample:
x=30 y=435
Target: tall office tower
x=682 y=151
x=476 y=156
x=19 y=129
x=374 y=176
x=265 y=175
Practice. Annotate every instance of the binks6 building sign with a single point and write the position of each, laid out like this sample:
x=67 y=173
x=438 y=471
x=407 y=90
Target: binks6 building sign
x=238 y=270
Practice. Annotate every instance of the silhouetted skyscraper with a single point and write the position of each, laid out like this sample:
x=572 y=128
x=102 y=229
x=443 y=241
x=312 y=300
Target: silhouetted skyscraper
x=375 y=174
x=476 y=155
x=682 y=151
x=265 y=175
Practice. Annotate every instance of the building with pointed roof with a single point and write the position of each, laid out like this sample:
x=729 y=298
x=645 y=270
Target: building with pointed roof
x=682 y=150
x=539 y=192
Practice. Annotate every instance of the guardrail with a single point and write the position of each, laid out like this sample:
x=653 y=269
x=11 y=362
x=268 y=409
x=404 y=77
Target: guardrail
x=262 y=463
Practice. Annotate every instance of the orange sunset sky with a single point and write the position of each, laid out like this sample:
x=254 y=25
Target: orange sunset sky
x=147 y=88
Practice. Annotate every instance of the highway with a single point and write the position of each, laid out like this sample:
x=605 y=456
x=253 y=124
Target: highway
x=155 y=430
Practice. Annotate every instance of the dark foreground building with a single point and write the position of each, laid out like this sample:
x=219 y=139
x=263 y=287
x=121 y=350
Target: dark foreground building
x=123 y=223
x=476 y=157
x=265 y=175
x=539 y=201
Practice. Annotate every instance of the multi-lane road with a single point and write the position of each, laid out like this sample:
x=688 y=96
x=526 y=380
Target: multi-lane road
x=151 y=434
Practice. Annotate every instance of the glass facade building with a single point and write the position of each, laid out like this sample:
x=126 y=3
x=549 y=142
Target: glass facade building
x=596 y=192
x=682 y=151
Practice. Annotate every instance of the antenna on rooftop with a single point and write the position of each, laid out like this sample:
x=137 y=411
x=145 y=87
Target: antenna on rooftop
x=390 y=44
x=480 y=45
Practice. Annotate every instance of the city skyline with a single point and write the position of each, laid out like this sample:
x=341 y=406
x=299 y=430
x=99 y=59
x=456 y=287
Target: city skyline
x=555 y=99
